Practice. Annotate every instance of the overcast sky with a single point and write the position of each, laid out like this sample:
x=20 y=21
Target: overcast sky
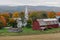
x=30 y=2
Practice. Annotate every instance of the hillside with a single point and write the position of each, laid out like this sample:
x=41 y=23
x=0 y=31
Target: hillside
x=30 y=8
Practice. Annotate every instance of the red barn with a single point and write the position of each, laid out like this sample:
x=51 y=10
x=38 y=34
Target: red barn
x=48 y=23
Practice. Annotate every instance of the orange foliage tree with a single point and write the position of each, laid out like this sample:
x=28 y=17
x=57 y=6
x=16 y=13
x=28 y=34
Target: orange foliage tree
x=6 y=15
x=15 y=15
x=51 y=14
x=3 y=21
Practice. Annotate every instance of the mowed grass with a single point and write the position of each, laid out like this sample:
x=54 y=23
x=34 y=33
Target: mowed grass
x=28 y=31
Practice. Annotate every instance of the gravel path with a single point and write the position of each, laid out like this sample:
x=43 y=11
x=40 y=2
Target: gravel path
x=55 y=36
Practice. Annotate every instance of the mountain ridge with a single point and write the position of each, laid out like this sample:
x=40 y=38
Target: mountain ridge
x=30 y=8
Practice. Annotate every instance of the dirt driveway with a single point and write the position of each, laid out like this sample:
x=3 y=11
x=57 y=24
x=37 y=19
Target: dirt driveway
x=55 y=36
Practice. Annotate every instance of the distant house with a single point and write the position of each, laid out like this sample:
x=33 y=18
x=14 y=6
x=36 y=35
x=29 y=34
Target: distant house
x=48 y=23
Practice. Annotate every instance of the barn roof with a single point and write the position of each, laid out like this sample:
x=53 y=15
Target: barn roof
x=52 y=19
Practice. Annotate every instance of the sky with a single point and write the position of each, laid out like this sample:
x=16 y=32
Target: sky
x=30 y=2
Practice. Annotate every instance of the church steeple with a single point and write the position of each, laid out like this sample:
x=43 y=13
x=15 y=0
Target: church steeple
x=26 y=12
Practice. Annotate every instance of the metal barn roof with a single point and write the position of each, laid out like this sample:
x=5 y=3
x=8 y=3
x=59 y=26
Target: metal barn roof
x=52 y=19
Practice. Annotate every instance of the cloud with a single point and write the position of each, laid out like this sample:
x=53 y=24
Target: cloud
x=51 y=3
x=30 y=2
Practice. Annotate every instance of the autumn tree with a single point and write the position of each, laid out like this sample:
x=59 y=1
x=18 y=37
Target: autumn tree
x=22 y=16
x=51 y=14
x=3 y=21
x=12 y=22
x=15 y=15
x=38 y=15
x=33 y=15
x=6 y=15
x=42 y=14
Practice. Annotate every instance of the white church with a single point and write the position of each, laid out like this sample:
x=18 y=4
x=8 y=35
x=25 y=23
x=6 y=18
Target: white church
x=19 y=21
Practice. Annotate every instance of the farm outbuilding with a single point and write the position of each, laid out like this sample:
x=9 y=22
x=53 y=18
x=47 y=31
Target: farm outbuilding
x=45 y=23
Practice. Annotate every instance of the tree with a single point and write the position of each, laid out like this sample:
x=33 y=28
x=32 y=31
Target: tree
x=12 y=23
x=15 y=15
x=33 y=15
x=29 y=23
x=38 y=15
x=6 y=15
x=1 y=24
x=51 y=14
x=3 y=21
x=22 y=16
x=42 y=15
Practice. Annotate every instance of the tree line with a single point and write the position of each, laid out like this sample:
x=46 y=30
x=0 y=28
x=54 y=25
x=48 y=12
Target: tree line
x=6 y=18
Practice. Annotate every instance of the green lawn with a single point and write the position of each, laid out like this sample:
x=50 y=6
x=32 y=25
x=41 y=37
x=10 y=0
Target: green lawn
x=26 y=31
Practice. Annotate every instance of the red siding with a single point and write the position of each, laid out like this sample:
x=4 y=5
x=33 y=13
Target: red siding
x=36 y=25
x=49 y=26
x=53 y=26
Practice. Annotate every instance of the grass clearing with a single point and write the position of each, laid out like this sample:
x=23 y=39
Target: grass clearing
x=28 y=31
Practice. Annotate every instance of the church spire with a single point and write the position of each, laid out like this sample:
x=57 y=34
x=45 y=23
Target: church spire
x=26 y=12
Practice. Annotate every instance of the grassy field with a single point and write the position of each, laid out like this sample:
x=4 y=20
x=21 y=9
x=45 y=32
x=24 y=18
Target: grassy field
x=26 y=31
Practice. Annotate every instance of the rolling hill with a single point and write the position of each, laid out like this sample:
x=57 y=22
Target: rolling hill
x=30 y=8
